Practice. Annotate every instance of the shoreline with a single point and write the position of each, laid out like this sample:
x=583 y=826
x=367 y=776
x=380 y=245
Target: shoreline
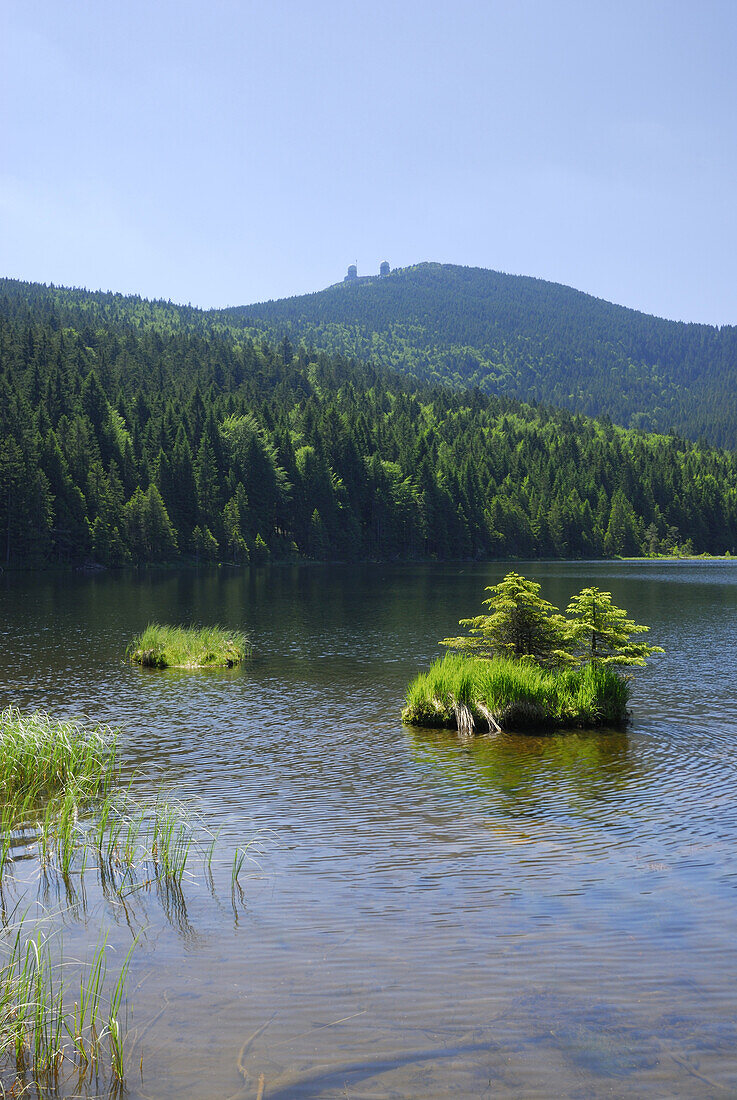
x=94 y=569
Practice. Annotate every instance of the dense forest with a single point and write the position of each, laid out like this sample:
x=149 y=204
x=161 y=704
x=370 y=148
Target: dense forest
x=525 y=338
x=136 y=432
x=466 y=327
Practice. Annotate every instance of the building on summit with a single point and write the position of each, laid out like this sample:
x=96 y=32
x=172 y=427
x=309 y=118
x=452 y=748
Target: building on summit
x=352 y=275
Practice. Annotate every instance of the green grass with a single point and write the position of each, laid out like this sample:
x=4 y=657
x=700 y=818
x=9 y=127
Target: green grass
x=162 y=646
x=60 y=797
x=44 y=758
x=59 y=790
x=519 y=696
x=51 y=1032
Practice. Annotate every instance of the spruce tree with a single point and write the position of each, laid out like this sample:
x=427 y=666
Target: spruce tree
x=600 y=631
x=520 y=625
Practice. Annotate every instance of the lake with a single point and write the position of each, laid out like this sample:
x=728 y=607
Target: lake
x=515 y=916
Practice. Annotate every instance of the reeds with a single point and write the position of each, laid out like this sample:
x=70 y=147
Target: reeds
x=58 y=790
x=43 y=757
x=171 y=842
x=188 y=647
x=129 y=845
x=51 y=771
x=60 y=801
x=517 y=695
x=45 y=1040
x=49 y=1030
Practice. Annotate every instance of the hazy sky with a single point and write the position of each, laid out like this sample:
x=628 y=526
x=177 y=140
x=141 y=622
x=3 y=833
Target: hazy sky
x=227 y=152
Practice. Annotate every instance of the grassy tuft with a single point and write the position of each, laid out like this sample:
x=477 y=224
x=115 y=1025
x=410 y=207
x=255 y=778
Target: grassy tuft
x=43 y=758
x=518 y=695
x=59 y=794
x=45 y=1039
x=188 y=647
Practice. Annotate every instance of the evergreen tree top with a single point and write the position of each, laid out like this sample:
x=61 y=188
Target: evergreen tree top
x=522 y=625
x=601 y=632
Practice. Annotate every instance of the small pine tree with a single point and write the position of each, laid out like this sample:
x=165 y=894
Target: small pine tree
x=234 y=540
x=107 y=545
x=600 y=631
x=204 y=544
x=260 y=553
x=520 y=624
x=621 y=533
x=317 y=536
x=161 y=537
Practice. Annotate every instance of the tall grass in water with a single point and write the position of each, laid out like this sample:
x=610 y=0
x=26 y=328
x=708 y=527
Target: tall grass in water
x=50 y=770
x=188 y=647
x=42 y=758
x=58 y=791
x=516 y=694
x=52 y=773
x=172 y=840
x=43 y=1039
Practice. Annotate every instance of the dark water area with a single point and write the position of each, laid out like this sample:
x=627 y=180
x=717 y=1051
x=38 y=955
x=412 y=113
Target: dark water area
x=515 y=916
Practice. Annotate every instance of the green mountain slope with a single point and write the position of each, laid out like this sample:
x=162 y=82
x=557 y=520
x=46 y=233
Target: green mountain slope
x=510 y=335
x=523 y=337
x=134 y=431
x=506 y=334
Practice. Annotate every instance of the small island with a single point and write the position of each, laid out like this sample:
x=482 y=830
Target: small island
x=162 y=646
x=524 y=667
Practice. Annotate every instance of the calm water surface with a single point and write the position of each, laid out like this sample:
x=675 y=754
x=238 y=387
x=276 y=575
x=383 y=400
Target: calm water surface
x=512 y=917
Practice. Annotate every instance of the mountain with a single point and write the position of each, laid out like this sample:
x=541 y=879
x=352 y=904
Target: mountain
x=468 y=327
x=136 y=431
x=524 y=338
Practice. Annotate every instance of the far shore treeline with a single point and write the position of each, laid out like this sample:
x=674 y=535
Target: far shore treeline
x=124 y=439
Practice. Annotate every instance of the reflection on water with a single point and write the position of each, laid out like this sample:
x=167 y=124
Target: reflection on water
x=527 y=774
x=511 y=916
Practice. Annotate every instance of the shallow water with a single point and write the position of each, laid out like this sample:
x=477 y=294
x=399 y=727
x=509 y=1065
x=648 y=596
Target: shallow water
x=515 y=916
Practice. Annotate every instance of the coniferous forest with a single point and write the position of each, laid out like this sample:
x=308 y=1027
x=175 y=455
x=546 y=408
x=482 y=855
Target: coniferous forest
x=134 y=431
x=524 y=338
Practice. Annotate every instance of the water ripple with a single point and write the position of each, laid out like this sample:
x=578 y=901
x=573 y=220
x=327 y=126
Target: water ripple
x=577 y=888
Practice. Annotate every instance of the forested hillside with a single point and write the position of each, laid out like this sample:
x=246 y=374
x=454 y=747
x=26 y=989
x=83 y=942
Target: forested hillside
x=525 y=338
x=508 y=335
x=135 y=432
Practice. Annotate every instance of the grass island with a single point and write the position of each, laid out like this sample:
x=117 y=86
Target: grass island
x=524 y=667
x=499 y=694
x=162 y=646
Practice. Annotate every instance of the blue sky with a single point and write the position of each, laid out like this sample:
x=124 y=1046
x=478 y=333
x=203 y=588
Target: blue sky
x=229 y=152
